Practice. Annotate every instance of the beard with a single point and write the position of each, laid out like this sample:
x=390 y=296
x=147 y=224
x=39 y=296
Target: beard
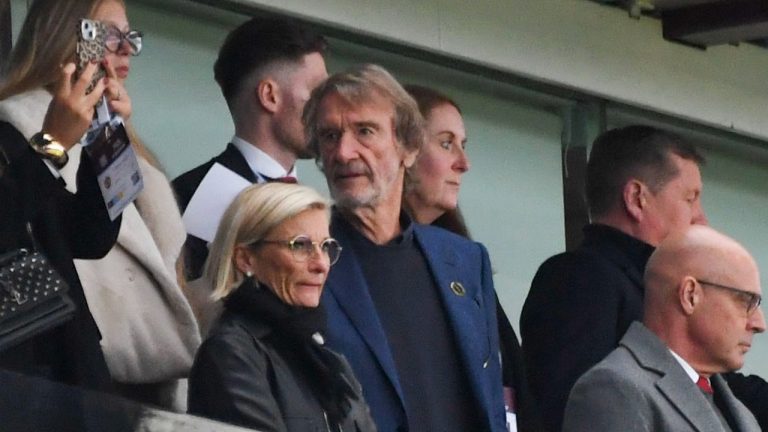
x=353 y=198
x=353 y=201
x=382 y=186
x=290 y=134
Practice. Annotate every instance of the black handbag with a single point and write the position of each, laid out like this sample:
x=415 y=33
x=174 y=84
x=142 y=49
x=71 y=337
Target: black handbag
x=33 y=296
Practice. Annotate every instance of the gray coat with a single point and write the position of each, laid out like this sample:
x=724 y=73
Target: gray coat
x=641 y=387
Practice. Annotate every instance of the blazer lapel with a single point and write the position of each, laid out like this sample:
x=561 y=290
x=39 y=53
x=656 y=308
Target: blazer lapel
x=744 y=419
x=348 y=286
x=674 y=384
x=235 y=161
x=683 y=394
x=461 y=296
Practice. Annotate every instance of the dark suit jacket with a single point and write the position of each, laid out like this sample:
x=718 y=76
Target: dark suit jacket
x=64 y=226
x=185 y=185
x=641 y=387
x=354 y=328
x=580 y=305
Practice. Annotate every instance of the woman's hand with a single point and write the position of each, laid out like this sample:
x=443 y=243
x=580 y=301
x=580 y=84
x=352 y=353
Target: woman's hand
x=71 y=110
x=119 y=101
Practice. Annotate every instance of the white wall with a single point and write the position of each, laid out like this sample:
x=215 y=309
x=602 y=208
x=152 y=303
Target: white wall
x=571 y=43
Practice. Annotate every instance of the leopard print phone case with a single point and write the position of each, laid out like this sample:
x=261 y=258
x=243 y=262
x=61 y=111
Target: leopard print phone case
x=91 y=38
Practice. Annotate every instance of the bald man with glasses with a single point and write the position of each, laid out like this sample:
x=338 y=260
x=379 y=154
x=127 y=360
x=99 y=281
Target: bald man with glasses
x=701 y=311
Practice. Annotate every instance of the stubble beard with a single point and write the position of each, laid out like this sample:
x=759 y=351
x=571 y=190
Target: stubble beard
x=350 y=201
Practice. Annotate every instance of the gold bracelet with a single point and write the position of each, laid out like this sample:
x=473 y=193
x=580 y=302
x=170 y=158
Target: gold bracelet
x=47 y=147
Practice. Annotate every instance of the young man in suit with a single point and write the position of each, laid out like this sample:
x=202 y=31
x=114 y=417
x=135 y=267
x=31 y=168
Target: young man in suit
x=411 y=306
x=642 y=185
x=702 y=309
x=266 y=69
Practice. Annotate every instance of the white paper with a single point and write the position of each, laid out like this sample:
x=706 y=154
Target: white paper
x=511 y=422
x=211 y=199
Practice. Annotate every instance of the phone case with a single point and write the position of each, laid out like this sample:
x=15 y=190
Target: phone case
x=90 y=47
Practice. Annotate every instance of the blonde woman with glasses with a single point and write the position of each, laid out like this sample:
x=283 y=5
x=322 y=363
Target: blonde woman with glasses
x=264 y=365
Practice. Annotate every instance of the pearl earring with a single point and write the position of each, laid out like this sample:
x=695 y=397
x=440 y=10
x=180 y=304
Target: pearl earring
x=249 y=273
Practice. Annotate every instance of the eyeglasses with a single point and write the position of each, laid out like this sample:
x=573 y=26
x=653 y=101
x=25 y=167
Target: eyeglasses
x=752 y=300
x=302 y=247
x=114 y=40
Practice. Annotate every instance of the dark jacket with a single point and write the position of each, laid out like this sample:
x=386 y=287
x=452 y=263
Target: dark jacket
x=514 y=375
x=244 y=375
x=65 y=226
x=579 y=307
x=185 y=186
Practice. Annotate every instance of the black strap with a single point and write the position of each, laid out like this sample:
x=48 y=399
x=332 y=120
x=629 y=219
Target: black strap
x=6 y=32
x=5 y=162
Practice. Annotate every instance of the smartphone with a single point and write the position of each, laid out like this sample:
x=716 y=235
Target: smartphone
x=91 y=40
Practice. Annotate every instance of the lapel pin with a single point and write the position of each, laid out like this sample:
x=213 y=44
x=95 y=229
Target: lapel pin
x=458 y=289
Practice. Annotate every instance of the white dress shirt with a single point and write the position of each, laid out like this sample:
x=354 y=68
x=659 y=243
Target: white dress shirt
x=260 y=162
x=692 y=374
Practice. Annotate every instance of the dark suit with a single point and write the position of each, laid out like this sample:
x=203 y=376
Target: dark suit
x=356 y=331
x=64 y=226
x=185 y=185
x=580 y=305
x=640 y=386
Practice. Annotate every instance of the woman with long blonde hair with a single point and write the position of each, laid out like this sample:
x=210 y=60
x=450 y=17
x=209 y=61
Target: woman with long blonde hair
x=38 y=212
x=148 y=331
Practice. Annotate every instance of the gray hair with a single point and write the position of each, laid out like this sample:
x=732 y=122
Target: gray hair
x=360 y=84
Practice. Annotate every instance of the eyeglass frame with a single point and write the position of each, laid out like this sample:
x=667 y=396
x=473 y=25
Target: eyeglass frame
x=755 y=299
x=316 y=246
x=124 y=37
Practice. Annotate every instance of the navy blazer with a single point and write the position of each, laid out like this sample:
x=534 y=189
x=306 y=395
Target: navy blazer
x=355 y=330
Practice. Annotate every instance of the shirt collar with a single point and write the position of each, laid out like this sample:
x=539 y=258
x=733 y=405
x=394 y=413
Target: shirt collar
x=261 y=163
x=689 y=370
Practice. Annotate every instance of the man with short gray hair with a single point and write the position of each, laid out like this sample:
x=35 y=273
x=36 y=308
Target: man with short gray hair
x=411 y=306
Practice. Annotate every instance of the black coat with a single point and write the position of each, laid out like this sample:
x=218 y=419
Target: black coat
x=65 y=226
x=185 y=186
x=580 y=305
x=243 y=375
x=514 y=374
